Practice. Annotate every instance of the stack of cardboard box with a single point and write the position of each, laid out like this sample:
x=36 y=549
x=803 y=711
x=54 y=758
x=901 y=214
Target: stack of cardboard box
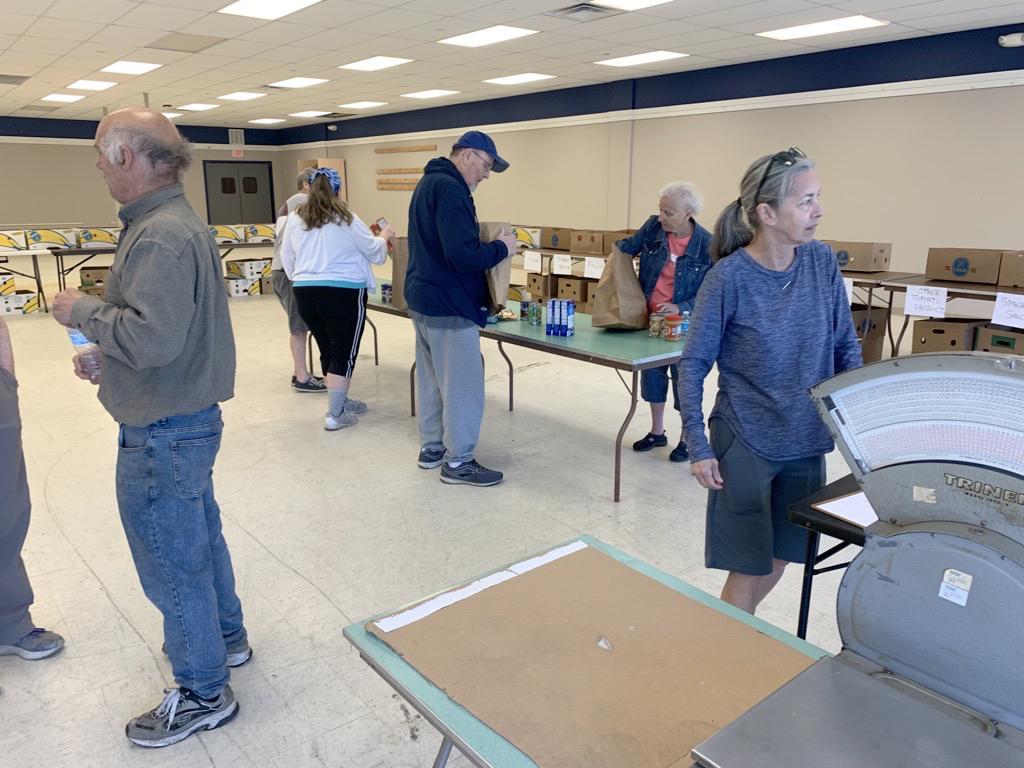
x=93 y=280
x=248 y=277
x=13 y=301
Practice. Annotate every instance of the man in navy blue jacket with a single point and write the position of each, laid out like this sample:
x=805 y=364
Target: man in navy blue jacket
x=447 y=295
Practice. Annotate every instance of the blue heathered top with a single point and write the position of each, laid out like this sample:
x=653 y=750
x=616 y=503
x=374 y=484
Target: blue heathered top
x=773 y=335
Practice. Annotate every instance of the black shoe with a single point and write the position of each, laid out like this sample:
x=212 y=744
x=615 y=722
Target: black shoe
x=430 y=459
x=312 y=384
x=650 y=441
x=470 y=473
x=679 y=453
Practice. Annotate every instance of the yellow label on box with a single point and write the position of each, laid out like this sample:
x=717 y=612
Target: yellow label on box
x=228 y=233
x=6 y=284
x=12 y=240
x=51 y=238
x=97 y=237
x=260 y=233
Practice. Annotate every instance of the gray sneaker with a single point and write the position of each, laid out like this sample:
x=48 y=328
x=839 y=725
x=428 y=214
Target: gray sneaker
x=37 y=644
x=470 y=473
x=355 y=406
x=312 y=384
x=179 y=715
x=333 y=423
x=238 y=654
x=430 y=458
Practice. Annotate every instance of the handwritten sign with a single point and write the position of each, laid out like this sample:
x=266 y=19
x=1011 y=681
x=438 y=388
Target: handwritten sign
x=848 y=282
x=531 y=261
x=925 y=301
x=593 y=267
x=561 y=264
x=1009 y=310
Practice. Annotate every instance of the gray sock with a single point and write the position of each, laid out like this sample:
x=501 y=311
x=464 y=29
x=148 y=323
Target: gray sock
x=337 y=401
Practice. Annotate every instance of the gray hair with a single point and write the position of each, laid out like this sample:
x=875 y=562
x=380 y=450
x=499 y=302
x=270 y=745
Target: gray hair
x=168 y=161
x=685 y=193
x=303 y=178
x=739 y=222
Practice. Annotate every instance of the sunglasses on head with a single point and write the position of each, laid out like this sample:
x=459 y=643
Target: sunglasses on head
x=784 y=158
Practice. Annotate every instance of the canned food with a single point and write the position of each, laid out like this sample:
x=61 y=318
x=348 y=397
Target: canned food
x=385 y=293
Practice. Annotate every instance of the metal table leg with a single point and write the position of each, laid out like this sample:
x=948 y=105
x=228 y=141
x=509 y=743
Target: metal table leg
x=412 y=390
x=443 y=753
x=39 y=282
x=376 y=356
x=622 y=431
x=511 y=376
x=805 y=593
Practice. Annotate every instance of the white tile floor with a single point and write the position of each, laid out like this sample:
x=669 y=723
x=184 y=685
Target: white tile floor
x=325 y=529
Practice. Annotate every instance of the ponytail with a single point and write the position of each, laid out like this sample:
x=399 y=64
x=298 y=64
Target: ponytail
x=731 y=231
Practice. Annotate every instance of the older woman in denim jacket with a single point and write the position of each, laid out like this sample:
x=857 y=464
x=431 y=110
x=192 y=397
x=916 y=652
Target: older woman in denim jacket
x=673 y=251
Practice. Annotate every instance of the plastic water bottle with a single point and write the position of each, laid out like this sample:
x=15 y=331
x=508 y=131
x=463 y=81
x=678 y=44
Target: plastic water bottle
x=89 y=355
x=684 y=326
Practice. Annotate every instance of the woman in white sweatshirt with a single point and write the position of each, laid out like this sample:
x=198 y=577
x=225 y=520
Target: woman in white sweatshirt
x=327 y=252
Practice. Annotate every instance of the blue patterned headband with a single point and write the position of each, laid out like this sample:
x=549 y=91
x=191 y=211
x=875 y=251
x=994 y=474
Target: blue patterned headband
x=333 y=177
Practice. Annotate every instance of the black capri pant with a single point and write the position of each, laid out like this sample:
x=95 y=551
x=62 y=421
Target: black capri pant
x=336 y=317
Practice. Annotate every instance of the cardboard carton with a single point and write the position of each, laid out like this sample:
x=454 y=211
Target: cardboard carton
x=93 y=275
x=19 y=303
x=248 y=268
x=573 y=289
x=97 y=237
x=267 y=285
x=240 y=287
x=861 y=257
x=6 y=283
x=965 y=265
x=1000 y=338
x=260 y=233
x=228 y=234
x=541 y=286
x=527 y=237
x=12 y=240
x=872 y=348
x=587 y=241
x=553 y=237
x=1011 y=269
x=587 y=307
x=51 y=238
x=399 y=268
x=868 y=325
x=99 y=291
x=611 y=237
x=949 y=335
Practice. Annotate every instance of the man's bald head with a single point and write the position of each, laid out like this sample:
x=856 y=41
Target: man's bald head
x=144 y=146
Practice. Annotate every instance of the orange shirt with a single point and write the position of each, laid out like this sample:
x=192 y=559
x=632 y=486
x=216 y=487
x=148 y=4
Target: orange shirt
x=663 y=289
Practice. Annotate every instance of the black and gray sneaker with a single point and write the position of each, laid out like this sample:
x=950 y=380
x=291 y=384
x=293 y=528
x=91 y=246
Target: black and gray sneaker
x=312 y=384
x=179 y=715
x=430 y=458
x=470 y=473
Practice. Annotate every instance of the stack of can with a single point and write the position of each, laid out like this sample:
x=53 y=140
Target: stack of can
x=561 y=318
x=385 y=293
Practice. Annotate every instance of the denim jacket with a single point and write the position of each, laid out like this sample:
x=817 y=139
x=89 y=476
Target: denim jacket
x=650 y=243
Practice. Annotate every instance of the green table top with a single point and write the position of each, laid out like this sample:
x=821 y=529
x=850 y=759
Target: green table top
x=489 y=748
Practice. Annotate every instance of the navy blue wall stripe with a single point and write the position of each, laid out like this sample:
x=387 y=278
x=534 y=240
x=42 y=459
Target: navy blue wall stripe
x=948 y=55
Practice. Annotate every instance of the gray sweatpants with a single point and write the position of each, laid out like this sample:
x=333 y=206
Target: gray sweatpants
x=15 y=591
x=449 y=384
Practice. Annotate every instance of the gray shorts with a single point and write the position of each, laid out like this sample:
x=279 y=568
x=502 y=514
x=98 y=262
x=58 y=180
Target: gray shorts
x=746 y=520
x=285 y=294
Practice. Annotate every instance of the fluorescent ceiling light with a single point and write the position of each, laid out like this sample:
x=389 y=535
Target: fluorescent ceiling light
x=198 y=107
x=375 y=62
x=363 y=104
x=629 y=5
x=488 y=36
x=267 y=120
x=64 y=97
x=241 y=96
x=846 y=24
x=526 y=77
x=641 y=58
x=91 y=85
x=171 y=115
x=266 y=9
x=429 y=94
x=131 y=67
x=298 y=82
x=310 y=113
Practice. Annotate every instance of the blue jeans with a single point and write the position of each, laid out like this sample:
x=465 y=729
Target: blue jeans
x=654 y=384
x=172 y=522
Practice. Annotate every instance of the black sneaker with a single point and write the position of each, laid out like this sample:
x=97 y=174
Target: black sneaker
x=679 y=453
x=312 y=384
x=179 y=715
x=430 y=459
x=470 y=473
x=650 y=441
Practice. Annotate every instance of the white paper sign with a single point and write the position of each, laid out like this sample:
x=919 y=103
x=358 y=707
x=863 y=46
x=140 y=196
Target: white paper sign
x=848 y=282
x=561 y=264
x=923 y=301
x=593 y=267
x=531 y=261
x=1009 y=310
x=955 y=586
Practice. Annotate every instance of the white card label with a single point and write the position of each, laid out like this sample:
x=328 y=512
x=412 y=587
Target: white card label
x=848 y=282
x=923 y=301
x=1009 y=310
x=593 y=267
x=531 y=261
x=956 y=586
x=561 y=264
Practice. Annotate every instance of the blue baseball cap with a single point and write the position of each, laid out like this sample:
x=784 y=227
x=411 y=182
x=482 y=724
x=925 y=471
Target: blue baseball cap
x=480 y=140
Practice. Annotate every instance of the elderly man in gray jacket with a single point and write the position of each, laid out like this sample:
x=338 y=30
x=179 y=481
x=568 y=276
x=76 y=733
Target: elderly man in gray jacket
x=168 y=361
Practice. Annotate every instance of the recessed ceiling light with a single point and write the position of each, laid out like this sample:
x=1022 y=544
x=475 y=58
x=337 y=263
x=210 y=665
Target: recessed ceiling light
x=629 y=5
x=64 y=97
x=91 y=85
x=375 y=62
x=488 y=36
x=363 y=104
x=267 y=120
x=641 y=58
x=131 y=67
x=266 y=9
x=197 y=107
x=310 y=113
x=171 y=115
x=298 y=82
x=846 y=24
x=241 y=96
x=526 y=77
x=429 y=94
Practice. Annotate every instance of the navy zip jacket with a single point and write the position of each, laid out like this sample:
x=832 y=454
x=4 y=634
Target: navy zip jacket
x=447 y=261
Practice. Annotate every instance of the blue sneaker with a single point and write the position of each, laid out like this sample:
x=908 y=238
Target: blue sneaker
x=37 y=644
x=430 y=458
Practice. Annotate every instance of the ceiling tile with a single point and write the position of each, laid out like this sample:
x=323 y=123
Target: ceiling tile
x=334 y=13
x=160 y=17
x=281 y=33
x=15 y=23
x=763 y=8
x=103 y=11
x=127 y=35
x=223 y=25
x=26 y=44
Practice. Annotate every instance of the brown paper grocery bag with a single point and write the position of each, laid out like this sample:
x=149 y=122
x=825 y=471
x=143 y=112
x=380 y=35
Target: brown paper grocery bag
x=499 y=276
x=619 y=301
x=399 y=265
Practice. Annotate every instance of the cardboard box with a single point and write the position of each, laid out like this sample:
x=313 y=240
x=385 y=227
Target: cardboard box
x=868 y=325
x=1011 y=269
x=1000 y=338
x=587 y=241
x=267 y=285
x=97 y=237
x=19 y=303
x=862 y=257
x=587 y=307
x=527 y=237
x=872 y=349
x=260 y=233
x=612 y=236
x=239 y=287
x=519 y=293
x=93 y=275
x=965 y=265
x=51 y=238
x=541 y=286
x=6 y=283
x=949 y=335
x=228 y=234
x=12 y=240
x=248 y=268
x=553 y=237
x=573 y=289
x=99 y=291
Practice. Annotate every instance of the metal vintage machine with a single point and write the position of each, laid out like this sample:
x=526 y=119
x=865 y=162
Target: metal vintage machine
x=931 y=612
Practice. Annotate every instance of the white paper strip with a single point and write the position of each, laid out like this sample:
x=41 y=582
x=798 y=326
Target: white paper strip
x=1009 y=310
x=854 y=508
x=925 y=301
x=531 y=261
x=561 y=264
x=547 y=557
x=593 y=267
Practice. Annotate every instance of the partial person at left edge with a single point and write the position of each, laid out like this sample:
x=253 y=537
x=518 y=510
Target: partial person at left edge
x=168 y=363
